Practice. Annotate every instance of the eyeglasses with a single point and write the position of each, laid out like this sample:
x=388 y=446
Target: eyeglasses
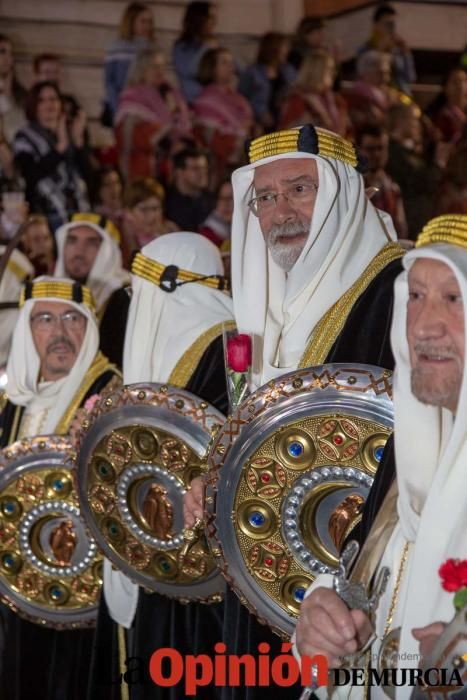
x=71 y=320
x=297 y=194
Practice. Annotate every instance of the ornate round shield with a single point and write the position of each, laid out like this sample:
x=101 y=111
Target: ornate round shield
x=50 y=567
x=289 y=473
x=140 y=450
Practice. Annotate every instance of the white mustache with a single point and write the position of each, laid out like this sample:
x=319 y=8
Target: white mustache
x=285 y=230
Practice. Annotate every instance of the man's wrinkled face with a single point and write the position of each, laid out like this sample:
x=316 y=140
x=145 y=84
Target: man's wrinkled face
x=80 y=252
x=285 y=194
x=58 y=331
x=435 y=333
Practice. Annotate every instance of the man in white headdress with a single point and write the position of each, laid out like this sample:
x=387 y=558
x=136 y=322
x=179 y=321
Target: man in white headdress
x=422 y=520
x=313 y=266
x=17 y=270
x=54 y=363
x=179 y=307
x=88 y=251
x=53 y=368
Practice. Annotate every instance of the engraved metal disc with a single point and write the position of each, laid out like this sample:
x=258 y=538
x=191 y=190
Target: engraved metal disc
x=289 y=473
x=50 y=566
x=139 y=451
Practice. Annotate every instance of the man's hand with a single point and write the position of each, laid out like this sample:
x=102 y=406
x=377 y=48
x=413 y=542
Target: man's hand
x=428 y=636
x=193 y=502
x=326 y=626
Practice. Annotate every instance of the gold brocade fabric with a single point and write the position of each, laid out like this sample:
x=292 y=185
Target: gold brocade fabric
x=183 y=370
x=98 y=367
x=332 y=323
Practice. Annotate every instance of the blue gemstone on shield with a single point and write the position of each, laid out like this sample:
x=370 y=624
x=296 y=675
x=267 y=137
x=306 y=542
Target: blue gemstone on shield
x=257 y=519
x=295 y=449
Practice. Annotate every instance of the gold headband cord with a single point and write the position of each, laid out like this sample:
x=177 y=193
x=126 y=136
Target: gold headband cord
x=57 y=291
x=155 y=272
x=306 y=139
x=97 y=220
x=449 y=228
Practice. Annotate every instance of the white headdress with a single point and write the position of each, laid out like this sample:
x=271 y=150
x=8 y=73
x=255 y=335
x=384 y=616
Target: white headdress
x=281 y=310
x=107 y=273
x=24 y=387
x=162 y=326
x=431 y=459
x=17 y=270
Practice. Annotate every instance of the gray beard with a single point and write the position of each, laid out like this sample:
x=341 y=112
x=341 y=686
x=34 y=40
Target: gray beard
x=285 y=254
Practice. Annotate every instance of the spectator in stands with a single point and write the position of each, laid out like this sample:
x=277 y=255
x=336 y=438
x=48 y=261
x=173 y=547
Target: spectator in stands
x=451 y=197
x=223 y=117
x=384 y=38
x=47 y=68
x=143 y=201
x=188 y=200
x=135 y=34
x=417 y=175
x=311 y=35
x=312 y=99
x=373 y=144
x=52 y=158
x=448 y=110
x=107 y=195
x=37 y=244
x=217 y=226
x=371 y=96
x=265 y=82
x=151 y=116
x=12 y=94
x=197 y=37
x=7 y=165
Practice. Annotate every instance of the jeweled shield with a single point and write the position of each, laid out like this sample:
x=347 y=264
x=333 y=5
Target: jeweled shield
x=50 y=566
x=139 y=451
x=289 y=473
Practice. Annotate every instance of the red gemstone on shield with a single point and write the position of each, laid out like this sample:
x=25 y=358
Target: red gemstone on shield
x=268 y=561
x=265 y=478
x=338 y=439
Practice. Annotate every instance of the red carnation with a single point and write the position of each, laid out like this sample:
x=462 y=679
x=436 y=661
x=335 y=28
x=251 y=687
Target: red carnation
x=239 y=352
x=453 y=574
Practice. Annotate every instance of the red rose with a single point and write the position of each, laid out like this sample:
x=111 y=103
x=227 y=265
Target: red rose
x=453 y=574
x=239 y=352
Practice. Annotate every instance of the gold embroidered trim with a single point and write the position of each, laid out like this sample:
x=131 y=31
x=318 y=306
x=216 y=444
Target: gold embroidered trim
x=98 y=367
x=183 y=370
x=17 y=270
x=449 y=228
x=57 y=290
x=97 y=220
x=125 y=695
x=152 y=271
x=332 y=323
x=15 y=425
x=329 y=145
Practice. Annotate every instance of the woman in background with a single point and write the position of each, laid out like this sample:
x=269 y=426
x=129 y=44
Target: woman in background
x=136 y=33
x=311 y=98
x=223 y=117
x=197 y=37
x=151 y=118
x=265 y=82
x=143 y=202
x=52 y=158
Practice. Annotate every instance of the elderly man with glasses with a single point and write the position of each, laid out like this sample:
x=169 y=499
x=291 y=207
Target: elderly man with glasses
x=53 y=368
x=313 y=266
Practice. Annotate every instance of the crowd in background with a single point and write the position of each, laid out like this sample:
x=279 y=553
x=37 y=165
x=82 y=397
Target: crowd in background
x=176 y=143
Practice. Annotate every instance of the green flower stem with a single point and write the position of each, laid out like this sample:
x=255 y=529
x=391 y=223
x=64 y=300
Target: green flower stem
x=460 y=599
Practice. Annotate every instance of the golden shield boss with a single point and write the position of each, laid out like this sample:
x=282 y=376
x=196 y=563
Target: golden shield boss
x=289 y=473
x=50 y=566
x=139 y=451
